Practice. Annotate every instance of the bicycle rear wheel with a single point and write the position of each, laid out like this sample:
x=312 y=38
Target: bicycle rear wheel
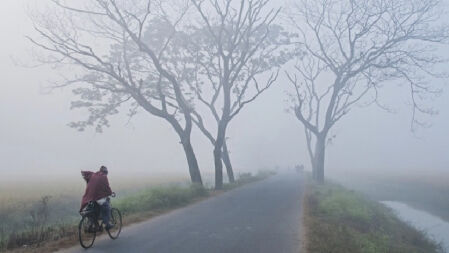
x=87 y=232
x=116 y=221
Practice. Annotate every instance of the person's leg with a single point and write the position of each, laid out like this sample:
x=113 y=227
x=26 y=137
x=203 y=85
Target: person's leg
x=106 y=213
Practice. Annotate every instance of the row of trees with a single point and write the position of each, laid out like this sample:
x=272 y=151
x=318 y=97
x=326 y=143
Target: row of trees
x=200 y=62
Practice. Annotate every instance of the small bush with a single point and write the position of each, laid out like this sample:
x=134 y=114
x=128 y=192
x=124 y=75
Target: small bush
x=265 y=173
x=246 y=175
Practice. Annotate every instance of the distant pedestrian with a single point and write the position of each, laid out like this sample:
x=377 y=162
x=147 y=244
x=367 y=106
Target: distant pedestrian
x=299 y=168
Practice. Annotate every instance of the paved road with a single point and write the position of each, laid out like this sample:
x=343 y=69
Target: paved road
x=262 y=217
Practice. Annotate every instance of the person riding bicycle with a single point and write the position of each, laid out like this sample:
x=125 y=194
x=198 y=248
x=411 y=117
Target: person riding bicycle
x=98 y=190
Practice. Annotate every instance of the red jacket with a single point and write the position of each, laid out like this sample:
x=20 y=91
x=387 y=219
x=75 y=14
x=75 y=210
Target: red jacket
x=97 y=187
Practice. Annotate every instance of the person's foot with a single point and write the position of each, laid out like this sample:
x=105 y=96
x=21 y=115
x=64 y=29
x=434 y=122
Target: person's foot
x=109 y=226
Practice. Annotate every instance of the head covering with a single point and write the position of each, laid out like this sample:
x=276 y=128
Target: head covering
x=104 y=169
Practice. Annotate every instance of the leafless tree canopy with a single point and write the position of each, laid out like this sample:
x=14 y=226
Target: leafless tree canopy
x=165 y=57
x=353 y=48
x=172 y=57
x=125 y=52
x=234 y=44
x=240 y=44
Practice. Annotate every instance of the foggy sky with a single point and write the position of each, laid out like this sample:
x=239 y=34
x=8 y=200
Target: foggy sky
x=36 y=140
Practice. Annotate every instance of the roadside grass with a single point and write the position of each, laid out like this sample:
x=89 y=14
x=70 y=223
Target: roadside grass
x=160 y=198
x=245 y=178
x=338 y=220
x=41 y=235
x=424 y=191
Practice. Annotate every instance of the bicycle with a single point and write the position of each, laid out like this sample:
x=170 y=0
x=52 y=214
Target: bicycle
x=90 y=224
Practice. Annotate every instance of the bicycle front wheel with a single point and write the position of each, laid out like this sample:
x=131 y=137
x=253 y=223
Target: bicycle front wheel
x=116 y=221
x=87 y=232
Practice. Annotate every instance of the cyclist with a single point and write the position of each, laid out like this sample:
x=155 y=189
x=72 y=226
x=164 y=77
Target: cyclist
x=98 y=190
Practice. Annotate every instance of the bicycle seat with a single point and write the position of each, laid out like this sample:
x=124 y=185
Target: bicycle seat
x=89 y=208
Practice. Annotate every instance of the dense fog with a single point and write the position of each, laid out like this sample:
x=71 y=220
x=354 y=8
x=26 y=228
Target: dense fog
x=37 y=143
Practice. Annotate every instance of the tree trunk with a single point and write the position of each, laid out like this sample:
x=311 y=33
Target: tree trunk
x=218 y=151
x=314 y=174
x=184 y=135
x=218 y=167
x=194 y=170
x=227 y=162
x=318 y=164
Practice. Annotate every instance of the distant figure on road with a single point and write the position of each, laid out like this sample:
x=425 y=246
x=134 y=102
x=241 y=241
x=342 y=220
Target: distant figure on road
x=299 y=168
x=98 y=190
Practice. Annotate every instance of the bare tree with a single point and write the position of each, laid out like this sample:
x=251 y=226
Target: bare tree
x=126 y=52
x=353 y=48
x=235 y=44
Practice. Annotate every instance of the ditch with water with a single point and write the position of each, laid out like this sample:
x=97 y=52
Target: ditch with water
x=435 y=227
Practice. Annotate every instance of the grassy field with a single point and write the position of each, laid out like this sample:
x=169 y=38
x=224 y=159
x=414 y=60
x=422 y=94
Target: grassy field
x=44 y=209
x=31 y=222
x=338 y=220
